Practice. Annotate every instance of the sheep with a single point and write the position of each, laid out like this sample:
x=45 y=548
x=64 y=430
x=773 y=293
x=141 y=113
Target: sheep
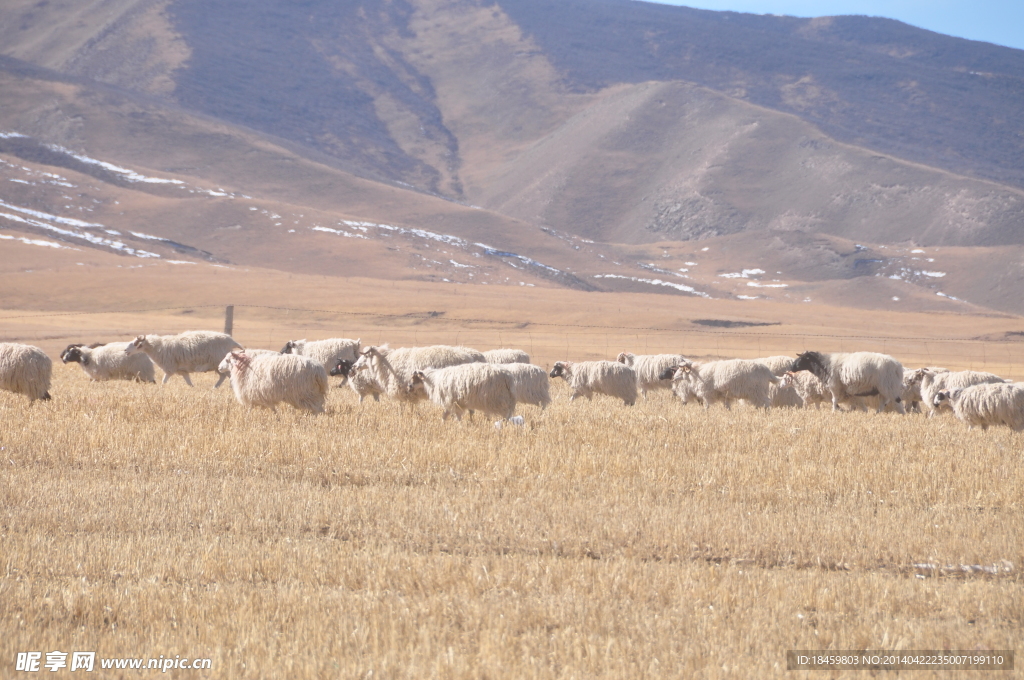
x=912 y=397
x=25 y=369
x=506 y=356
x=392 y=369
x=327 y=352
x=781 y=395
x=586 y=378
x=188 y=352
x=649 y=367
x=811 y=390
x=109 y=362
x=931 y=383
x=466 y=387
x=778 y=364
x=857 y=374
x=725 y=381
x=986 y=404
x=361 y=382
x=268 y=378
x=530 y=384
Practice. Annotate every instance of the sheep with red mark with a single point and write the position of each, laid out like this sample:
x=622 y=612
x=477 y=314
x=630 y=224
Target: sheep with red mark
x=267 y=379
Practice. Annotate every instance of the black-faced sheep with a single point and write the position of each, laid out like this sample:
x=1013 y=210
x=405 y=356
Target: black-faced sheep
x=986 y=404
x=268 y=379
x=109 y=362
x=467 y=387
x=726 y=381
x=857 y=374
x=188 y=352
x=649 y=367
x=587 y=378
x=25 y=369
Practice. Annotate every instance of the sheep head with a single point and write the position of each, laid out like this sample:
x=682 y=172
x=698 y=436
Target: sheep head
x=561 y=369
x=343 y=368
x=416 y=383
x=289 y=348
x=814 y=362
x=668 y=373
x=626 y=358
x=137 y=345
x=74 y=353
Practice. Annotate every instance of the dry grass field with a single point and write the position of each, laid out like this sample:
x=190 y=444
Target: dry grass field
x=595 y=541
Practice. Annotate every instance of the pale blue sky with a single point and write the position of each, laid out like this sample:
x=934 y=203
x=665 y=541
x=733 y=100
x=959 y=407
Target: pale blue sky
x=995 y=21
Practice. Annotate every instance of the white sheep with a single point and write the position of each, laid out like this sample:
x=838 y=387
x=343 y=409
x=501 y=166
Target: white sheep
x=269 y=378
x=912 y=396
x=586 y=378
x=392 y=369
x=778 y=364
x=857 y=374
x=811 y=390
x=467 y=387
x=931 y=383
x=327 y=352
x=530 y=384
x=362 y=382
x=649 y=367
x=781 y=395
x=506 y=356
x=25 y=369
x=986 y=404
x=726 y=381
x=109 y=362
x=188 y=352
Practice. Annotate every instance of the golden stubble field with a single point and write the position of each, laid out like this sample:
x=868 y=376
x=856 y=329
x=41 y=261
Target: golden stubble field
x=595 y=541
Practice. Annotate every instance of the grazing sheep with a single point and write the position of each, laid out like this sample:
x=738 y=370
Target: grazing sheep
x=327 y=352
x=392 y=369
x=506 y=356
x=986 y=404
x=725 y=381
x=268 y=378
x=649 y=367
x=109 y=362
x=811 y=390
x=530 y=384
x=361 y=382
x=586 y=378
x=931 y=383
x=25 y=369
x=467 y=387
x=857 y=374
x=188 y=352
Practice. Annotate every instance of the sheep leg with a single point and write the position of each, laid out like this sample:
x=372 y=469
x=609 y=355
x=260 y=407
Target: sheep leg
x=220 y=380
x=167 y=376
x=187 y=380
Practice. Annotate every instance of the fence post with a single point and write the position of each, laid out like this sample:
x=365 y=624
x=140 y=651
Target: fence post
x=229 y=319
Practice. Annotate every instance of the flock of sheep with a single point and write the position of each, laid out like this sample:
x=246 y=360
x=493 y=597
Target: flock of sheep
x=460 y=379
